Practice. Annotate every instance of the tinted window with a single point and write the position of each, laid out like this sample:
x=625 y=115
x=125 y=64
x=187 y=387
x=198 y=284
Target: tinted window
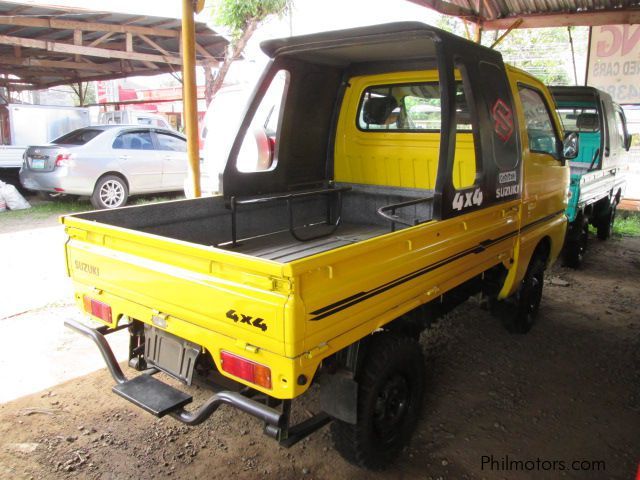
x=540 y=131
x=171 y=142
x=78 y=137
x=134 y=141
x=409 y=107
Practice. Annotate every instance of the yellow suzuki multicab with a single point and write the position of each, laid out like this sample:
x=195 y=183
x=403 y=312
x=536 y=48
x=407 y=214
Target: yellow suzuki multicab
x=399 y=171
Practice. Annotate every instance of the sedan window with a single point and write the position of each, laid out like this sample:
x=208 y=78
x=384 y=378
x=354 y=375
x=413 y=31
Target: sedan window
x=78 y=137
x=133 y=141
x=171 y=142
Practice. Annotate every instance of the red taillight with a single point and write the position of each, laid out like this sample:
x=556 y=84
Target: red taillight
x=97 y=309
x=62 y=160
x=272 y=146
x=246 y=369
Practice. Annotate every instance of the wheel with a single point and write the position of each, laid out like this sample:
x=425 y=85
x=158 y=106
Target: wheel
x=574 y=250
x=519 y=312
x=605 y=226
x=390 y=389
x=110 y=192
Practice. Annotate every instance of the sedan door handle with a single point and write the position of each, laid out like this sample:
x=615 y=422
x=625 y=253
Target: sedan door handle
x=123 y=157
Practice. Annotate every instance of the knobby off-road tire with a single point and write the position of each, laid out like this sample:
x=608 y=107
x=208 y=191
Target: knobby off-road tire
x=110 y=191
x=518 y=313
x=390 y=391
x=605 y=226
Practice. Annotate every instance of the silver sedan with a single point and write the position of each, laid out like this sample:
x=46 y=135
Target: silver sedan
x=108 y=163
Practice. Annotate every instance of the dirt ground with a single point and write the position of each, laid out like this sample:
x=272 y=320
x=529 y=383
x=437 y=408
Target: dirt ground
x=569 y=390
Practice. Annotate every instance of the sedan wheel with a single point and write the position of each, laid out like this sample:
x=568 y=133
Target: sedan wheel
x=110 y=192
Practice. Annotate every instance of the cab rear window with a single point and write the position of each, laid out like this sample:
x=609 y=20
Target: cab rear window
x=579 y=119
x=408 y=107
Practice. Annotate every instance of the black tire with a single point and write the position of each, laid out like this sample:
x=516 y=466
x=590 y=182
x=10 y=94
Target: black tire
x=574 y=250
x=110 y=191
x=605 y=226
x=519 y=313
x=390 y=391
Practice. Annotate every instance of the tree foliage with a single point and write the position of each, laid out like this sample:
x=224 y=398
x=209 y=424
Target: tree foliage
x=242 y=18
x=543 y=52
x=237 y=15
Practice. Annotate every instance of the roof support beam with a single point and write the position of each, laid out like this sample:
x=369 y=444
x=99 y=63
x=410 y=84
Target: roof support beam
x=77 y=40
x=154 y=44
x=86 y=26
x=34 y=62
x=101 y=39
x=88 y=51
x=513 y=26
x=616 y=17
x=29 y=84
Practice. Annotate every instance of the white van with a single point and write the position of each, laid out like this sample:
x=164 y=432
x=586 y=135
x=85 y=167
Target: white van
x=220 y=125
x=133 y=117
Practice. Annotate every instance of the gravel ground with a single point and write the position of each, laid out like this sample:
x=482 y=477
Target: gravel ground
x=569 y=390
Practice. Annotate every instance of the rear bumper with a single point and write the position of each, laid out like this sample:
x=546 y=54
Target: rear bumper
x=57 y=181
x=269 y=415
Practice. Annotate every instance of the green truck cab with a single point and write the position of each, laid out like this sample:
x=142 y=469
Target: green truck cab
x=598 y=172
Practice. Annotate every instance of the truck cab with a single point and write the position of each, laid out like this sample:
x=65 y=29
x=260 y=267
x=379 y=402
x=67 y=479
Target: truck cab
x=598 y=173
x=404 y=170
x=133 y=117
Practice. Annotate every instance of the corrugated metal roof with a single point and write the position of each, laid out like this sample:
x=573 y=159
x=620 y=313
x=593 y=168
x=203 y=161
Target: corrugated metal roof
x=494 y=9
x=490 y=12
x=42 y=46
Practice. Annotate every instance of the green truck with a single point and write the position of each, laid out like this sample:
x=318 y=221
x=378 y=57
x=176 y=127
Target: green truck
x=598 y=172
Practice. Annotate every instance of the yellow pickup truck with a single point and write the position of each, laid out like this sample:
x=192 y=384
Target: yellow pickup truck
x=380 y=177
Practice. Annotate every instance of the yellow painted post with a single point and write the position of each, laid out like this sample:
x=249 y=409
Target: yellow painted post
x=190 y=101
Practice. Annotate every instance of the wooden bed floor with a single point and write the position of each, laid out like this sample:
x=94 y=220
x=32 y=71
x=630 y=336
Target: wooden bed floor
x=282 y=247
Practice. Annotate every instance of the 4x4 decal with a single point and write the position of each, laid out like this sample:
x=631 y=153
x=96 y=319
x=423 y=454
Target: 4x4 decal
x=472 y=198
x=248 y=319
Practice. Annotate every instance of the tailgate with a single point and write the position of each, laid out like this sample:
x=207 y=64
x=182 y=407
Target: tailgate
x=234 y=295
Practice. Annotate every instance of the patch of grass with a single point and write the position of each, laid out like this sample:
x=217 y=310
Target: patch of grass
x=163 y=198
x=46 y=209
x=627 y=226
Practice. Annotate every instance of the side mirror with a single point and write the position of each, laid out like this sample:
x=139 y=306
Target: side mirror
x=627 y=142
x=570 y=146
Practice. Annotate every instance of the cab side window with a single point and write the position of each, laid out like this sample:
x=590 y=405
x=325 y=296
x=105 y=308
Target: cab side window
x=542 y=136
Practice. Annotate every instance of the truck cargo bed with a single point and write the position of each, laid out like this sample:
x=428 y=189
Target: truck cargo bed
x=271 y=229
x=282 y=247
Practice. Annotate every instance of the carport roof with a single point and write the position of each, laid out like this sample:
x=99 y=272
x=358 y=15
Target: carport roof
x=502 y=14
x=45 y=46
